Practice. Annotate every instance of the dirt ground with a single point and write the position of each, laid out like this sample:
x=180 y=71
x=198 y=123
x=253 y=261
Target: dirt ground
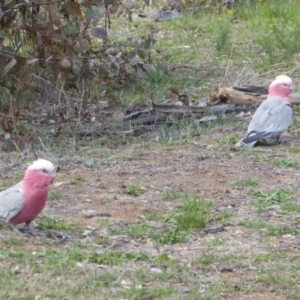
x=195 y=168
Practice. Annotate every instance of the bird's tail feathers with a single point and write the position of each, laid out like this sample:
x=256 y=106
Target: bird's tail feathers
x=241 y=143
x=254 y=136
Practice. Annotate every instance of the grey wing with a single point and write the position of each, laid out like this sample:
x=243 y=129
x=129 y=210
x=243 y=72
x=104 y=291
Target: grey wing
x=11 y=201
x=271 y=118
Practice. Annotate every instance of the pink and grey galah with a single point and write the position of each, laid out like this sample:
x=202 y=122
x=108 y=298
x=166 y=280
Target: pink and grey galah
x=273 y=116
x=23 y=202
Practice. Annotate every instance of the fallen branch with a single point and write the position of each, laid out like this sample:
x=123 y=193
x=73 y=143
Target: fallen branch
x=230 y=95
x=246 y=95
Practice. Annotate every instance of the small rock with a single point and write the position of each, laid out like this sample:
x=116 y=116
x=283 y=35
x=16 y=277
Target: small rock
x=93 y=213
x=16 y=270
x=155 y=270
x=90 y=213
x=126 y=284
x=185 y=290
x=226 y=269
x=87 y=232
x=207 y=119
x=240 y=115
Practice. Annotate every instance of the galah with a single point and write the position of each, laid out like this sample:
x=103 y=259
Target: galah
x=273 y=116
x=23 y=202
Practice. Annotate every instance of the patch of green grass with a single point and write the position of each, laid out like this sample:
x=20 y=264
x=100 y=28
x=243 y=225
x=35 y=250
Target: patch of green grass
x=255 y=224
x=170 y=195
x=222 y=37
x=139 y=229
x=77 y=254
x=211 y=258
x=134 y=189
x=115 y=257
x=50 y=222
x=287 y=162
x=256 y=159
x=270 y=256
x=216 y=242
x=162 y=259
x=96 y=281
x=12 y=241
x=270 y=229
x=246 y=182
x=54 y=195
x=294 y=149
x=280 y=281
x=194 y=214
x=145 y=144
x=77 y=179
x=139 y=292
x=275 y=196
x=80 y=152
x=19 y=176
x=153 y=216
x=208 y=258
x=91 y=164
x=224 y=216
x=226 y=141
x=173 y=237
x=281 y=230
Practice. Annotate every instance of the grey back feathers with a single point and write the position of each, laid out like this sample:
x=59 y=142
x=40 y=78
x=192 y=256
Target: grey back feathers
x=272 y=117
x=11 y=201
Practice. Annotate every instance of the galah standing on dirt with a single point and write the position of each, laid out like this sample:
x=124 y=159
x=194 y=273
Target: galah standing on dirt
x=22 y=202
x=273 y=116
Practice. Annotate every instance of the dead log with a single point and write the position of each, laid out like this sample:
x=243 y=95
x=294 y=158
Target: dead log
x=173 y=108
x=152 y=119
x=215 y=110
x=137 y=114
x=252 y=89
x=248 y=95
x=230 y=95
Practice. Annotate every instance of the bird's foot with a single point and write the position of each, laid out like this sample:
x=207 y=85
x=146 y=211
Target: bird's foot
x=30 y=230
x=283 y=142
x=270 y=142
x=15 y=229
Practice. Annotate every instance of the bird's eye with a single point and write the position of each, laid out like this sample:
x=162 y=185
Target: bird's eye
x=44 y=171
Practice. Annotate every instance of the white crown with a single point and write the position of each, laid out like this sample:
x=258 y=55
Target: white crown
x=42 y=164
x=282 y=79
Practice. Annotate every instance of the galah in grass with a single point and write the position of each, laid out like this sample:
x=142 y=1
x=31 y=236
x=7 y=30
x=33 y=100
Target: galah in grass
x=273 y=116
x=23 y=202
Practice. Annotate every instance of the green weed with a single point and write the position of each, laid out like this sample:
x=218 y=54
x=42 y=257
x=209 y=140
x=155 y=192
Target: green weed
x=287 y=162
x=50 y=222
x=280 y=197
x=134 y=189
x=173 y=237
x=77 y=179
x=54 y=195
x=246 y=182
x=194 y=214
x=268 y=228
x=170 y=195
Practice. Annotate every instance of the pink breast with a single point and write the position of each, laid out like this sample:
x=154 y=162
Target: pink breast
x=34 y=203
